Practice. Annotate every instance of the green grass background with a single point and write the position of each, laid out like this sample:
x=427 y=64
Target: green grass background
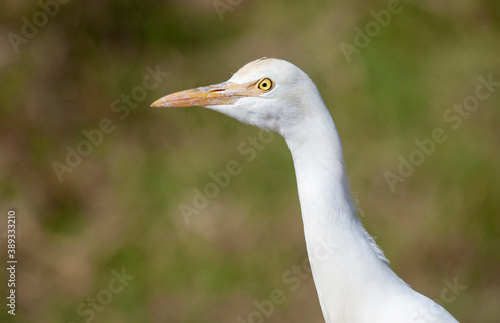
x=120 y=207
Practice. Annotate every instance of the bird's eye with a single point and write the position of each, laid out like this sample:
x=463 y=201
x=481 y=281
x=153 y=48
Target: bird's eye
x=265 y=84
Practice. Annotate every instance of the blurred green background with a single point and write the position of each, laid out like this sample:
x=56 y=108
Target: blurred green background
x=119 y=208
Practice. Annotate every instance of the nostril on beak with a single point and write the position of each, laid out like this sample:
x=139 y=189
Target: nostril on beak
x=218 y=90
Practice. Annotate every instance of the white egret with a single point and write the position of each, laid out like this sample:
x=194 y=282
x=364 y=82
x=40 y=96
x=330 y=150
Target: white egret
x=352 y=276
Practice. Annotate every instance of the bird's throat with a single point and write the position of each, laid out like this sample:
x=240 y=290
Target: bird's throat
x=342 y=255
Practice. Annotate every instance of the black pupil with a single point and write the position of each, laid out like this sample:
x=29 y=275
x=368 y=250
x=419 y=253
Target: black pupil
x=264 y=84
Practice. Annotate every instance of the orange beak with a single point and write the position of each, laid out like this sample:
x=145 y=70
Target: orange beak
x=218 y=94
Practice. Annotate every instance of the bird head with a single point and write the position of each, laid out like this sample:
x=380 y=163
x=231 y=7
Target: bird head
x=268 y=93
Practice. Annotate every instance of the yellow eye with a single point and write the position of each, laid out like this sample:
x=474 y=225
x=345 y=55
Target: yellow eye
x=265 y=84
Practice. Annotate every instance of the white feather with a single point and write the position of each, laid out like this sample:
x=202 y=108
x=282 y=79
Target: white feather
x=352 y=276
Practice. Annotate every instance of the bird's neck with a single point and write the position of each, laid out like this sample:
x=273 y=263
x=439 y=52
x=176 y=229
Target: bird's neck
x=344 y=259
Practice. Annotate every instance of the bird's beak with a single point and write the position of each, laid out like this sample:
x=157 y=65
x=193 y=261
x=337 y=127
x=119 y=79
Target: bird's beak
x=218 y=94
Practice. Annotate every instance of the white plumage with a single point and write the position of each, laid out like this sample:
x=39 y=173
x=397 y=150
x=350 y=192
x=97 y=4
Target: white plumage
x=352 y=277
